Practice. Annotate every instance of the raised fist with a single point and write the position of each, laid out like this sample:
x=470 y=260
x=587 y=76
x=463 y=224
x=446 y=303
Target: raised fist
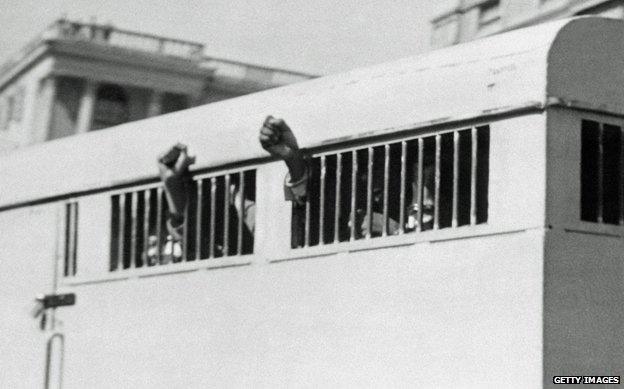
x=277 y=138
x=174 y=162
x=173 y=166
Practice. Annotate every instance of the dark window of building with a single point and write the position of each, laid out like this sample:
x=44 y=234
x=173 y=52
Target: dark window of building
x=66 y=107
x=174 y=102
x=111 y=107
x=427 y=183
x=219 y=222
x=602 y=165
x=489 y=13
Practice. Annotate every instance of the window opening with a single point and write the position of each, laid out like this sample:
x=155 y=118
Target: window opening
x=219 y=222
x=111 y=107
x=602 y=167
x=426 y=183
x=489 y=13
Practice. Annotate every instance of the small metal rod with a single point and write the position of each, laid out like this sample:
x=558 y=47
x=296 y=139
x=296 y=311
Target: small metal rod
x=159 y=217
x=322 y=200
x=306 y=226
x=436 y=200
x=241 y=213
x=354 y=172
x=369 y=191
x=213 y=204
x=147 y=198
x=402 y=189
x=133 y=228
x=69 y=243
x=473 y=177
x=600 y=171
x=337 y=202
x=621 y=183
x=455 y=177
x=72 y=238
x=67 y=246
x=185 y=232
x=75 y=238
x=121 y=229
x=419 y=184
x=384 y=227
x=226 y=216
x=198 y=222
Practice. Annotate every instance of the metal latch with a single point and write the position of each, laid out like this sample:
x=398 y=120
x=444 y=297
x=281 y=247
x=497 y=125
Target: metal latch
x=45 y=301
x=56 y=300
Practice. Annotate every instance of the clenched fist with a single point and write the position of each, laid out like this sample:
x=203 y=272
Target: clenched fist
x=173 y=166
x=277 y=138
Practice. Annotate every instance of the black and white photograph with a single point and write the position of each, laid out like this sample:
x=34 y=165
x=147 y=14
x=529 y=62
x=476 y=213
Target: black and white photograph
x=311 y=194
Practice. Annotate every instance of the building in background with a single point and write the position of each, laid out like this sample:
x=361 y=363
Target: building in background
x=76 y=77
x=471 y=19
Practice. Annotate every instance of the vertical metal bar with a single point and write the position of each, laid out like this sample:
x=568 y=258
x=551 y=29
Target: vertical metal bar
x=147 y=198
x=72 y=232
x=67 y=243
x=402 y=189
x=69 y=225
x=322 y=200
x=621 y=183
x=600 y=171
x=473 y=177
x=198 y=222
x=455 y=176
x=419 y=184
x=72 y=238
x=75 y=239
x=354 y=172
x=213 y=204
x=185 y=232
x=337 y=202
x=436 y=200
x=226 y=216
x=241 y=213
x=369 y=191
x=159 y=217
x=306 y=226
x=133 y=229
x=122 y=222
x=384 y=227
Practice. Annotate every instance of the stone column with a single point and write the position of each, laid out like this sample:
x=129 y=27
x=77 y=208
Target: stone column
x=45 y=103
x=155 y=104
x=87 y=105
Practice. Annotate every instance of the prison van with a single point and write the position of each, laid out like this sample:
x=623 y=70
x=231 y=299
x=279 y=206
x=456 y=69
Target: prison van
x=489 y=177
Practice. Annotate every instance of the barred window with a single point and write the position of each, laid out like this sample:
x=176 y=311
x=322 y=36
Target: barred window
x=602 y=167
x=424 y=183
x=71 y=239
x=219 y=222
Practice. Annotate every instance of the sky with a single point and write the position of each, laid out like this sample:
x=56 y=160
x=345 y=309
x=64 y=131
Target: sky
x=313 y=36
